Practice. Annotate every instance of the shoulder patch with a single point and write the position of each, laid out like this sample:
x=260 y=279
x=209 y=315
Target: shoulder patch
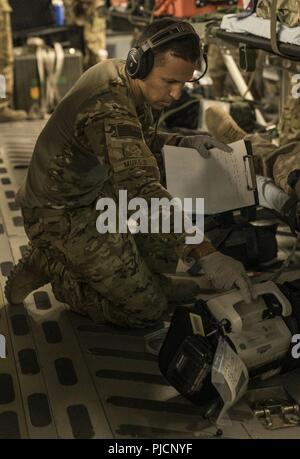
x=132 y=150
x=126 y=131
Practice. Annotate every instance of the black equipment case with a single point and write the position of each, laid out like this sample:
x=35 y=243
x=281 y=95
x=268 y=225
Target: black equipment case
x=27 y=94
x=187 y=353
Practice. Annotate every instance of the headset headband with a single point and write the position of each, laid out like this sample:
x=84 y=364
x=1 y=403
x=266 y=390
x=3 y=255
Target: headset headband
x=140 y=59
x=172 y=32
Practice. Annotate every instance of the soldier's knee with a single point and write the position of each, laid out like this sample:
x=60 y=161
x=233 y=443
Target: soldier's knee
x=143 y=317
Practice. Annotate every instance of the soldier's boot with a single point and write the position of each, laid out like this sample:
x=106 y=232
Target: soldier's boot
x=222 y=126
x=8 y=114
x=29 y=274
x=291 y=213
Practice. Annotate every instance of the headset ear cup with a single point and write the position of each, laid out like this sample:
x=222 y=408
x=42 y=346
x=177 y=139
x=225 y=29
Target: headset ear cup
x=139 y=63
x=147 y=61
x=133 y=62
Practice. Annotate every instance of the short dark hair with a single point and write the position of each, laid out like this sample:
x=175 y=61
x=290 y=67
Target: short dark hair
x=187 y=48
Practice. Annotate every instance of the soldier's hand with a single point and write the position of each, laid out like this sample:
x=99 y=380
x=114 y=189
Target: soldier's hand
x=226 y=273
x=203 y=143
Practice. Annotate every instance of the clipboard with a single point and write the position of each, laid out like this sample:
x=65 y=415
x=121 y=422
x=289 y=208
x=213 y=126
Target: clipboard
x=226 y=181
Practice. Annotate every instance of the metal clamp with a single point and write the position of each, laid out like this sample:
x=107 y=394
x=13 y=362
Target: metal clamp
x=277 y=413
x=248 y=159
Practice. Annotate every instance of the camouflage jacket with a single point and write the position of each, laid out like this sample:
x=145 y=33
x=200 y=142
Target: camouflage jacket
x=81 y=11
x=97 y=135
x=288 y=11
x=5 y=7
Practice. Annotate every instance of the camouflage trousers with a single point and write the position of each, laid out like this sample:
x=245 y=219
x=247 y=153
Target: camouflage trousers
x=94 y=30
x=288 y=11
x=111 y=277
x=272 y=161
x=287 y=159
x=6 y=52
x=289 y=123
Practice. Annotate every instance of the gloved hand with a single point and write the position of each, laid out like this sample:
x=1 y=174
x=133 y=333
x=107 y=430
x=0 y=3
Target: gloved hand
x=226 y=273
x=202 y=143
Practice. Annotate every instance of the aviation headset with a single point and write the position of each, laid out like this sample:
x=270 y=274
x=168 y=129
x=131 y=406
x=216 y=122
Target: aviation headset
x=140 y=60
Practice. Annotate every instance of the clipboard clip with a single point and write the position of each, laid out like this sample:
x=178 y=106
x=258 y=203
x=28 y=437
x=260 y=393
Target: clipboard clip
x=248 y=159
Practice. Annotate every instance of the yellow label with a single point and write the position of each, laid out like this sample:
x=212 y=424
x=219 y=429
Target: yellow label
x=35 y=92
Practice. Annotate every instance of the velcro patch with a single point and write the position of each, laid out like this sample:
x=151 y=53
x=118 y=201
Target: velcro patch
x=126 y=131
x=134 y=162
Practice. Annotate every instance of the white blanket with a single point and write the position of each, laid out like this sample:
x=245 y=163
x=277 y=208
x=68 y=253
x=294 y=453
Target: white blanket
x=260 y=27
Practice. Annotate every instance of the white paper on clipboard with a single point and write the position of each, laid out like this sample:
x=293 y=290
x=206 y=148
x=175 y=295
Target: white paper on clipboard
x=225 y=180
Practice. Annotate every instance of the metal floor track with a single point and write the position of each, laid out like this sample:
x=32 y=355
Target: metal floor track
x=65 y=377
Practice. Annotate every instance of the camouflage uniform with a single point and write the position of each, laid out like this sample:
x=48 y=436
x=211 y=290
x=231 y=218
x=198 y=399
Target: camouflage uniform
x=288 y=11
x=274 y=162
x=289 y=123
x=96 y=143
x=269 y=160
x=87 y=14
x=288 y=158
x=6 y=52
